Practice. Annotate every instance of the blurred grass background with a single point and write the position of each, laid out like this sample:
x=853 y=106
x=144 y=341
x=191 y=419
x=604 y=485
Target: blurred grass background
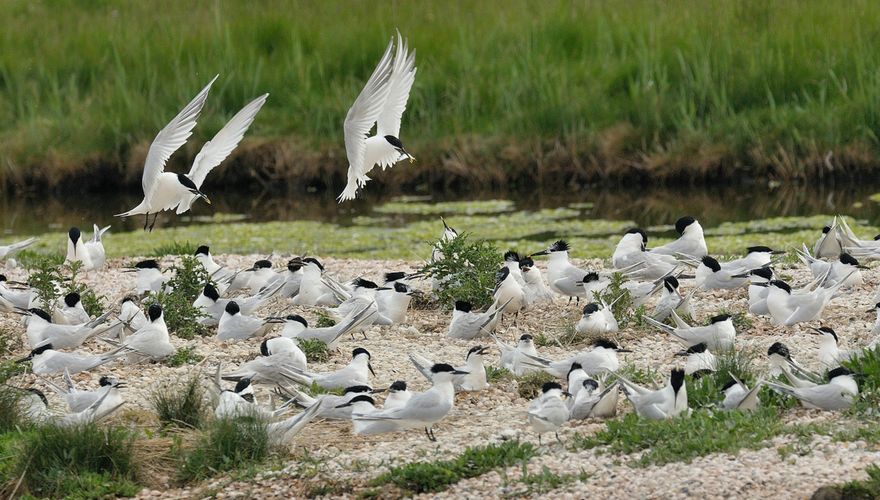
x=671 y=89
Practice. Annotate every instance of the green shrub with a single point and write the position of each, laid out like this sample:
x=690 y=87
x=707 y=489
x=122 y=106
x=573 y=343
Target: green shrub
x=529 y=384
x=181 y=404
x=184 y=356
x=706 y=390
x=425 y=477
x=185 y=286
x=466 y=273
x=227 y=444
x=315 y=350
x=867 y=365
x=85 y=461
x=175 y=248
x=46 y=272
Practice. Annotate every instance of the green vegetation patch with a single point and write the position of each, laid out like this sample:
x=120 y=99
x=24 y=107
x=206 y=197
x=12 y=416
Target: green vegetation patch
x=425 y=477
x=683 y=439
x=177 y=298
x=466 y=273
x=181 y=403
x=226 y=444
x=446 y=207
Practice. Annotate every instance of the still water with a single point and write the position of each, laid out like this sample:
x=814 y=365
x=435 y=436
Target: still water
x=646 y=206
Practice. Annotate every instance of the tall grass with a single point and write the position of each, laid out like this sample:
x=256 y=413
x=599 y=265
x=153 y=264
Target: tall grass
x=677 y=86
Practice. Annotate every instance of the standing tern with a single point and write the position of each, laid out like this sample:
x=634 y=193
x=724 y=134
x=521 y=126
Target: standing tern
x=549 y=410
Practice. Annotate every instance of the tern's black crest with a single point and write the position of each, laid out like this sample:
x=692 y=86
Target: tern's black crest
x=877 y=237
x=682 y=223
x=759 y=249
x=696 y=349
x=39 y=394
x=846 y=258
x=829 y=331
x=525 y=336
x=394 y=276
x=362 y=398
x=463 y=306
x=670 y=283
x=701 y=373
x=74 y=234
x=526 y=262
x=203 y=250
x=358 y=389
x=155 y=312
x=41 y=349
x=607 y=344
x=211 y=292
x=589 y=277
x=294 y=265
x=264 y=348
x=71 y=299
x=730 y=383
x=781 y=285
x=719 y=318
x=2 y=277
x=560 y=246
x=232 y=307
x=105 y=381
x=501 y=275
x=549 y=386
x=297 y=318
x=147 y=264
x=394 y=141
x=401 y=288
x=242 y=384
x=360 y=350
x=837 y=372
x=263 y=264
x=362 y=283
x=474 y=350
x=511 y=256
x=639 y=231
x=186 y=182
x=826 y=229
x=676 y=379
x=780 y=349
x=41 y=313
x=711 y=263
x=763 y=272
x=591 y=308
x=315 y=262
x=129 y=298
x=398 y=386
x=574 y=366
x=442 y=367
x=590 y=384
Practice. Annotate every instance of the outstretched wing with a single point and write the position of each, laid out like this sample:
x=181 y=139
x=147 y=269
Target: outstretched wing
x=169 y=140
x=365 y=111
x=402 y=77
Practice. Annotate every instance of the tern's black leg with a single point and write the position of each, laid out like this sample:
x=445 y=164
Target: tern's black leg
x=569 y=299
x=364 y=334
x=557 y=437
x=578 y=301
x=153 y=224
x=433 y=438
x=539 y=440
x=146 y=220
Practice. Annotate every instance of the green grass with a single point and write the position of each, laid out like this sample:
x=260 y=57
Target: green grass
x=547 y=480
x=184 y=356
x=186 y=285
x=85 y=461
x=11 y=416
x=706 y=390
x=315 y=350
x=676 y=86
x=181 y=403
x=529 y=384
x=227 y=444
x=867 y=489
x=683 y=439
x=425 y=477
x=868 y=366
x=175 y=248
x=496 y=374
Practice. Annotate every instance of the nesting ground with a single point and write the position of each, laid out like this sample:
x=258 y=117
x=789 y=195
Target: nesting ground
x=327 y=453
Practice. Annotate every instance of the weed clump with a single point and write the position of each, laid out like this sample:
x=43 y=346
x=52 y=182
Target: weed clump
x=227 y=444
x=46 y=273
x=529 y=384
x=467 y=272
x=177 y=297
x=315 y=350
x=184 y=356
x=181 y=404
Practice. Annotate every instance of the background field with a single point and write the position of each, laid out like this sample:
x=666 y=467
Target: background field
x=578 y=89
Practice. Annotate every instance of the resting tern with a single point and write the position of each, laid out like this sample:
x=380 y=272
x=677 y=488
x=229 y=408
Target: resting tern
x=666 y=402
x=45 y=360
x=838 y=394
x=597 y=319
x=149 y=277
x=296 y=327
x=152 y=342
x=165 y=190
x=381 y=102
x=234 y=325
x=699 y=359
x=356 y=372
x=787 y=308
x=535 y=288
x=690 y=241
x=331 y=408
x=601 y=358
x=474 y=373
x=277 y=356
x=759 y=279
x=508 y=291
x=515 y=358
x=594 y=400
x=738 y=396
x=718 y=335
x=70 y=311
x=77 y=251
x=468 y=325
x=41 y=330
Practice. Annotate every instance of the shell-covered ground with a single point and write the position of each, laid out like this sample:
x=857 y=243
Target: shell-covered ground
x=328 y=459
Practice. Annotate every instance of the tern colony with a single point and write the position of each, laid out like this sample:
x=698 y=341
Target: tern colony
x=589 y=382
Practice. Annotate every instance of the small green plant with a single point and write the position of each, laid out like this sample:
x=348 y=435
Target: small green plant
x=425 y=477
x=184 y=356
x=91 y=301
x=547 y=480
x=46 y=273
x=867 y=365
x=227 y=444
x=11 y=368
x=31 y=259
x=11 y=416
x=467 y=272
x=706 y=390
x=867 y=489
x=618 y=298
x=741 y=321
x=315 y=350
x=529 y=384
x=175 y=248
x=495 y=374
x=9 y=342
x=685 y=438
x=639 y=375
x=85 y=461
x=177 y=298
x=324 y=319
x=181 y=403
